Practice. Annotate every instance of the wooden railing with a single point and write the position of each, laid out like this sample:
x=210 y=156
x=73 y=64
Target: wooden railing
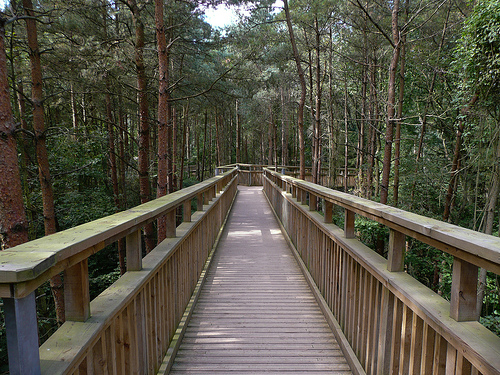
x=128 y=328
x=394 y=324
x=251 y=174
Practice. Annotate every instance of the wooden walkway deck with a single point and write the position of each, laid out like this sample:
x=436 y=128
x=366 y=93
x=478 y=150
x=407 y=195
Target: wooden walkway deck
x=256 y=313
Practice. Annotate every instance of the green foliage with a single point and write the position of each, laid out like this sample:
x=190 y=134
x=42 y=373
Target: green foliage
x=492 y=322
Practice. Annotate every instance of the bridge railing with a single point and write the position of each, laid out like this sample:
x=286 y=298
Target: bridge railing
x=251 y=174
x=393 y=323
x=128 y=328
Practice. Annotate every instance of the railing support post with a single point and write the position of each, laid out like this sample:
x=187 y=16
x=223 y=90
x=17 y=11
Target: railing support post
x=76 y=292
x=186 y=214
x=349 y=224
x=463 y=291
x=171 y=224
x=328 y=211
x=134 y=251
x=22 y=335
x=396 y=255
x=199 y=202
x=312 y=202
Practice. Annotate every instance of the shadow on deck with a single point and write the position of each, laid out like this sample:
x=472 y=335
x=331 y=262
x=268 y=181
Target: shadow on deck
x=256 y=313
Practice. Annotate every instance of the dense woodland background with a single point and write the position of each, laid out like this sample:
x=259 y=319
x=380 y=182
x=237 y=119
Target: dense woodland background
x=106 y=104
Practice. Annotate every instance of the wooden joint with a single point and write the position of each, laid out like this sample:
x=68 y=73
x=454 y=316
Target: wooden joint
x=199 y=202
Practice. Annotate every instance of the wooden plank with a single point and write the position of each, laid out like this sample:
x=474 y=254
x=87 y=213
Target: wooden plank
x=76 y=292
x=256 y=312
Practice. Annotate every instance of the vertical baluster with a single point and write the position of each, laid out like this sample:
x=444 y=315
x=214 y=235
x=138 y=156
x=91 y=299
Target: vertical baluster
x=312 y=202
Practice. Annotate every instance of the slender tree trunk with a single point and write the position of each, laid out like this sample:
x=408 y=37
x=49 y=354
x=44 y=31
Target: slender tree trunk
x=164 y=115
x=346 y=137
x=399 y=115
x=456 y=158
x=300 y=111
x=317 y=112
x=238 y=133
x=204 y=147
x=284 y=130
x=144 y=130
x=13 y=224
x=270 y=137
x=74 y=113
x=41 y=149
x=184 y=144
x=391 y=105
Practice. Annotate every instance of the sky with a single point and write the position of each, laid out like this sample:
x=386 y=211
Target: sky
x=221 y=16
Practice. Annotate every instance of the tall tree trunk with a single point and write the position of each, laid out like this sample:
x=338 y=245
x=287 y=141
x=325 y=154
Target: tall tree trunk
x=346 y=136
x=164 y=115
x=316 y=170
x=399 y=115
x=13 y=224
x=456 y=158
x=270 y=137
x=204 y=155
x=41 y=149
x=300 y=110
x=284 y=130
x=391 y=105
x=238 y=133
x=184 y=143
x=144 y=131
x=74 y=112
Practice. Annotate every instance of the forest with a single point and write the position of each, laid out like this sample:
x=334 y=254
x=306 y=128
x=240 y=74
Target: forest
x=108 y=104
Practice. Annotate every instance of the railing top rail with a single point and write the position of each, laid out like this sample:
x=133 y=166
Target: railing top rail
x=477 y=248
x=30 y=260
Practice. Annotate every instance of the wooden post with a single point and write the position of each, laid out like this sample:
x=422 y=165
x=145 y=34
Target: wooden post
x=303 y=196
x=186 y=215
x=349 y=224
x=396 y=255
x=328 y=211
x=134 y=251
x=171 y=224
x=294 y=191
x=206 y=196
x=199 y=202
x=76 y=292
x=312 y=202
x=463 y=291
x=22 y=335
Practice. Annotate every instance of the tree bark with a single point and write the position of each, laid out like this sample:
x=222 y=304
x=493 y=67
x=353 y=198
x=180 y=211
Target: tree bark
x=397 y=141
x=13 y=224
x=391 y=106
x=144 y=130
x=316 y=170
x=300 y=111
x=40 y=130
x=164 y=115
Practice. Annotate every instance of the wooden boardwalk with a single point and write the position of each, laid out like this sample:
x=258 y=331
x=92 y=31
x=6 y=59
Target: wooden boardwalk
x=256 y=313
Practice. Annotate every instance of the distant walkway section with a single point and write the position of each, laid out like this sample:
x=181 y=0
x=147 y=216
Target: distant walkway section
x=256 y=313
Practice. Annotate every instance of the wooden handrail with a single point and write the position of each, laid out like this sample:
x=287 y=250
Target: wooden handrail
x=25 y=267
x=474 y=247
x=393 y=323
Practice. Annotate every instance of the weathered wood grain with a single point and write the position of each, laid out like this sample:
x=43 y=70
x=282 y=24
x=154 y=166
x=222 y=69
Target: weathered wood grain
x=256 y=312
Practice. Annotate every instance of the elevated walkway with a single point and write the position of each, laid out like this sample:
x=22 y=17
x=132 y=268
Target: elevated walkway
x=256 y=312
